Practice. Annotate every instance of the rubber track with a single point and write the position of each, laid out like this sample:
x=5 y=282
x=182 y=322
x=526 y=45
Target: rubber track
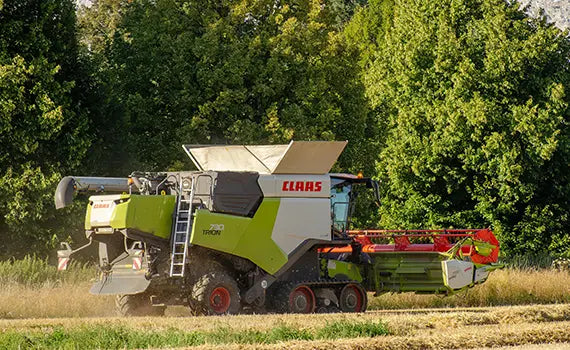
x=278 y=297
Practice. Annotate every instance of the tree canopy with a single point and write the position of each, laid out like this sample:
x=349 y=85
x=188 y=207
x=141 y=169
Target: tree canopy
x=43 y=129
x=474 y=98
x=460 y=108
x=235 y=72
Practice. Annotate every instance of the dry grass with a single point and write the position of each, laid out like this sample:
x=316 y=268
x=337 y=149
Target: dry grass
x=64 y=306
x=451 y=338
x=67 y=300
x=549 y=346
x=504 y=287
x=400 y=322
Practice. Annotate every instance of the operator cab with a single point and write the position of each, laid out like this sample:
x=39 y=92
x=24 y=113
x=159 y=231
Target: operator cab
x=342 y=200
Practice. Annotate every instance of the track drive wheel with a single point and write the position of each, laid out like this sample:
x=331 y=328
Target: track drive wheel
x=294 y=298
x=137 y=305
x=215 y=293
x=353 y=298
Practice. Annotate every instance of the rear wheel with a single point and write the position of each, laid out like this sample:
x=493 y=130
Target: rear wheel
x=353 y=298
x=137 y=305
x=294 y=298
x=215 y=293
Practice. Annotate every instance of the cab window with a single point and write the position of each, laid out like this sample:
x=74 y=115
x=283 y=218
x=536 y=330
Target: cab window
x=340 y=205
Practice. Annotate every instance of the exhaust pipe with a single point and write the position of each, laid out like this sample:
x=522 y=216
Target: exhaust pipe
x=71 y=184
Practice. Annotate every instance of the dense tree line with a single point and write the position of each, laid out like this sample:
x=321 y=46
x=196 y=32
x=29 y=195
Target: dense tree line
x=459 y=107
x=474 y=98
x=43 y=120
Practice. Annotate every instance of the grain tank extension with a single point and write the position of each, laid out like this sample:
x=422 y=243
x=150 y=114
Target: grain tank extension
x=260 y=228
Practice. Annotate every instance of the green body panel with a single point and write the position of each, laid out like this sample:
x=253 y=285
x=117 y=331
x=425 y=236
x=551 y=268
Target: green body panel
x=418 y=272
x=149 y=214
x=342 y=270
x=249 y=238
x=88 y=217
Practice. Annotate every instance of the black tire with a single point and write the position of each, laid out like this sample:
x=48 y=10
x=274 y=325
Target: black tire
x=215 y=293
x=292 y=298
x=353 y=298
x=137 y=305
x=327 y=310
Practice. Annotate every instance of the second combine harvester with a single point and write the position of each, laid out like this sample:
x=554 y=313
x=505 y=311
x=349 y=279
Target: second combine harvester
x=260 y=228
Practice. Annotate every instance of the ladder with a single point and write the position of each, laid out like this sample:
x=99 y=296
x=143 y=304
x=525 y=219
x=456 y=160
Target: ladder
x=181 y=234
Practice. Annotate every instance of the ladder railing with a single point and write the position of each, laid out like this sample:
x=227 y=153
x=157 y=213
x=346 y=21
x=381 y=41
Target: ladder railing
x=182 y=230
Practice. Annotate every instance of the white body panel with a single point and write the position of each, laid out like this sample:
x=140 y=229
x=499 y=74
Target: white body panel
x=481 y=274
x=298 y=186
x=457 y=274
x=102 y=209
x=299 y=219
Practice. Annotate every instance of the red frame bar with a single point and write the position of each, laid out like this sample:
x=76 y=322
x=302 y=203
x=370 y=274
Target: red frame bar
x=440 y=243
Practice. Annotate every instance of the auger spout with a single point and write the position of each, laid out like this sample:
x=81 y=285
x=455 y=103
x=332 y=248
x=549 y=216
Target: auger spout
x=71 y=184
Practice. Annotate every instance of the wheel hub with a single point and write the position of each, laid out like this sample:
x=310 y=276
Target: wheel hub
x=220 y=300
x=302 y=300
x=351 y=300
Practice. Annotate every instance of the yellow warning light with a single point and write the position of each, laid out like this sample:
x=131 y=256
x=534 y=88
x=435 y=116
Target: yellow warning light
x=130 y=181
x=360 y=176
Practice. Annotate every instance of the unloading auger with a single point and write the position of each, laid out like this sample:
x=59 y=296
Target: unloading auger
x=261 y=229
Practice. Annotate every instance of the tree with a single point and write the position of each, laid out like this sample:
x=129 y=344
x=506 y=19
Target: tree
x=236 y=72
x=42 y=124
x=474 y=96
x=110 y=154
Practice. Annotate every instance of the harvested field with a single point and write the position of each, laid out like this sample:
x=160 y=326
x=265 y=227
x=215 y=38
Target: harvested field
x=57 y=312
x=458 y=328
x=72 y=299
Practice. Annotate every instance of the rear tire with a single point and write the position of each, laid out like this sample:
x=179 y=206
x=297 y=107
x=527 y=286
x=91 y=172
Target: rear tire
x=353 y=298
x=137 y=305
x=293 y=298
x=215 y=293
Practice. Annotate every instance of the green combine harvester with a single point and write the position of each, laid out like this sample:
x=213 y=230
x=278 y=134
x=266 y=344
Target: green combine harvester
x=260 y=229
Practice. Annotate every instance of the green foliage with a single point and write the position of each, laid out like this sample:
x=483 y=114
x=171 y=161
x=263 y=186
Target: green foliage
x=42 y=127
x=529 y=261
x=235 y=72
x=98 y=23
x=352 y=329
x=461 y=108
x=34 y=272
x=105 y=337
x=473 y=95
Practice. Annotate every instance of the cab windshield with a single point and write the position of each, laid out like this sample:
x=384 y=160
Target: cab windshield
x=340 y=204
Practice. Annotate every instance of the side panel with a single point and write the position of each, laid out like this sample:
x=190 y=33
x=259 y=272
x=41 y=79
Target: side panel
x=313 y=186
x=149 y=214
x=403 y=271
x=299 y=219
x=342 y=270
x=242 y=236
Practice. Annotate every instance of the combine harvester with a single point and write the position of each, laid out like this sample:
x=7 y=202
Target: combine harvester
x=260 y=228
